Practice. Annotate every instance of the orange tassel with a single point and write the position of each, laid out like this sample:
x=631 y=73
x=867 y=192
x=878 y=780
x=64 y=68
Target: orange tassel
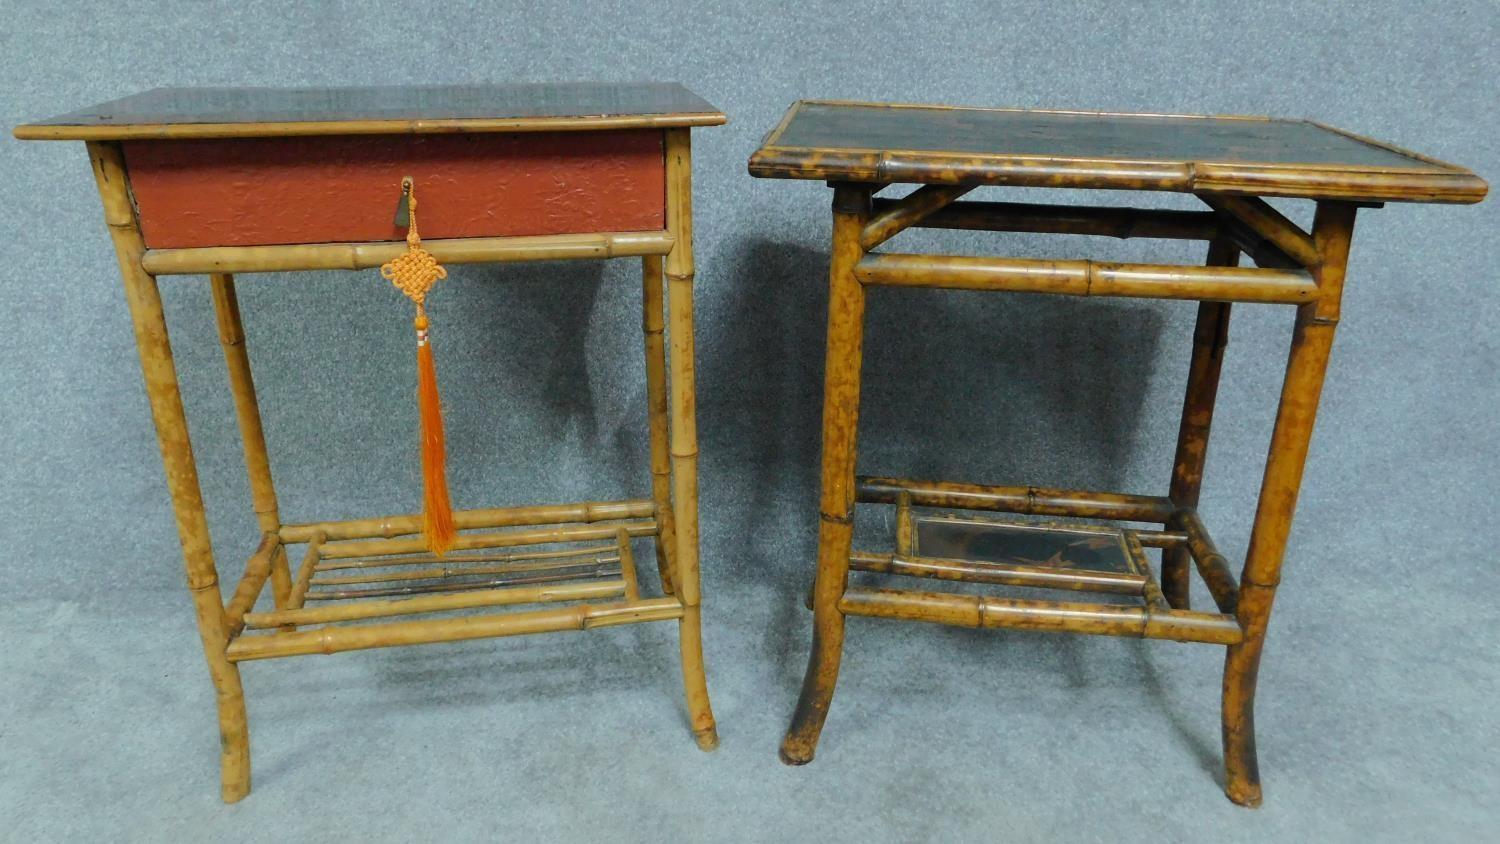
x=437 y=511
x=413 y=273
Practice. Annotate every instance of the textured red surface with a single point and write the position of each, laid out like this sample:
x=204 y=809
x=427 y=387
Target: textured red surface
x=261 y=191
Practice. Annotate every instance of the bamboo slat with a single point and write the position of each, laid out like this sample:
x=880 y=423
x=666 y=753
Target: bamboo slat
x=906 y=528
x=583 y=573
x=1266 y=221
x=1007 y=574
x=328 y=640
x=1089 y=278
x=1026 y=500
x=593 y=552
x=586 y=512
x=448 y=572
x=1167 y=539
x=1150 y=589
x=627 y=566
x=363 y=256
x=1067 y=219
x=329 y=613
x=149 y=322
x=498 y=539
x=1056 y=616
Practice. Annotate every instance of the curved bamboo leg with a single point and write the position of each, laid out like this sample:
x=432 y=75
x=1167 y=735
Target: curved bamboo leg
x=144 y=300
x=656 y=399
x=846 y=310
x=684 y=435
x=1312 y=340
x=1209 y=338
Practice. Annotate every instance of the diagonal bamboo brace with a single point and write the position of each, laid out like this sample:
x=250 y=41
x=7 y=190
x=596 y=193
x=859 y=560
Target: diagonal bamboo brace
x=247 y=591
x=901 y=214
x=1258 y=216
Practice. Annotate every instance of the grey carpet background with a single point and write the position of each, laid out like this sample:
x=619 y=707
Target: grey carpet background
x=1377 y=716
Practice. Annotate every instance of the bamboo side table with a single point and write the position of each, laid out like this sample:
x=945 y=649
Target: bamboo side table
x=1229 y=163
x=224 y=181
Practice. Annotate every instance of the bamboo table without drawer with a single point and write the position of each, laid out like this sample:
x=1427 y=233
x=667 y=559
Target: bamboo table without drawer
x=1227 y=162
x=224 y=181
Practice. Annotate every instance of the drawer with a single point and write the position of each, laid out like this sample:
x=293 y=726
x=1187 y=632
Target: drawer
x=344 y=188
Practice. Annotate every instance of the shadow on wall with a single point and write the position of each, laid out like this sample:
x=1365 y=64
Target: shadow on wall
x=547 y=351
x=550 y=394
x=966 y=386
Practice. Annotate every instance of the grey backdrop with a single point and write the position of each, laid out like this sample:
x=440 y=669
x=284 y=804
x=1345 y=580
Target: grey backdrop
x=1377 y=714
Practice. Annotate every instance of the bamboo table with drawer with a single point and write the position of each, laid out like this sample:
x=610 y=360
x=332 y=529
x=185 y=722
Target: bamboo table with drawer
x=1229 y=163
x=222 y=181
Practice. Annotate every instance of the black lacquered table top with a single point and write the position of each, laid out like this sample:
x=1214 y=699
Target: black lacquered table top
x=872 y=141
x=226 y=112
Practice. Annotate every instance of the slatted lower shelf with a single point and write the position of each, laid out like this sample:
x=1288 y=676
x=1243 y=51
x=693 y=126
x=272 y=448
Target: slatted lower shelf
x=1108 y=560
x=364 y=570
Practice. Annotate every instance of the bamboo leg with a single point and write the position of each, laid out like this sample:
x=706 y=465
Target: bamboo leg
x=1311 y=341
x=1209 y=338
x=684 y=435
x=656 y=399
x=846 y=309
x=252 y=434
x=144 y=300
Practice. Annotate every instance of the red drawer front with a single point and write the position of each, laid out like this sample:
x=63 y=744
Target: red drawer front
x=263 y=191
